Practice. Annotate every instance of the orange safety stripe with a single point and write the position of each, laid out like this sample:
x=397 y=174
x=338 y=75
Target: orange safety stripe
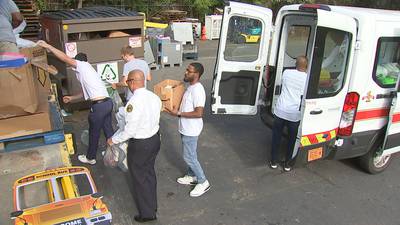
x=312 y=139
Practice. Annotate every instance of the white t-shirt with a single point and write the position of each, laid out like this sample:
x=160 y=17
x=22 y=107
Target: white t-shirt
x=142 y=116
x=135 y=64
x=92 y=85
x=194 y=96
x=288 y=104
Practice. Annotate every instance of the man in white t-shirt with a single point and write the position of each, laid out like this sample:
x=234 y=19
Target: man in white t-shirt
x=132 y=63
x=93 y=89
x=287 y=111
x=190 y=116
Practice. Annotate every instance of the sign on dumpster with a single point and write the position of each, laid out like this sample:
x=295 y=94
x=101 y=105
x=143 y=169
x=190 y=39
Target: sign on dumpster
x=108 y=72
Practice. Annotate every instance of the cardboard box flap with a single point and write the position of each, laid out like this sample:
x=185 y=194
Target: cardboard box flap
x=170 y=92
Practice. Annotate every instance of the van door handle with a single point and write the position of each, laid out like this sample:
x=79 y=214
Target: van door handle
x=315 y=112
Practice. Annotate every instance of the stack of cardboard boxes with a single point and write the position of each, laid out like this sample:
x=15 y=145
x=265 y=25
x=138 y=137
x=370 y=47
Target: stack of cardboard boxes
x=24 y=91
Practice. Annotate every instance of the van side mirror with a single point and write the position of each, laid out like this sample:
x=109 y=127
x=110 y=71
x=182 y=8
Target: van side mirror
x=96 y=195
x=15 y=214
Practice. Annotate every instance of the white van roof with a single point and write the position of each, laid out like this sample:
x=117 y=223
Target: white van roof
x=358 y=12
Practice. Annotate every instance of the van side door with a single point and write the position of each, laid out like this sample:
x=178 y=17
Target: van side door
x=327 y=86
x=241 y=60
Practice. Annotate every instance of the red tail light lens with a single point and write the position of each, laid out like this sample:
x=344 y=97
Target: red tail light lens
x=314 y=7
x=348 y=114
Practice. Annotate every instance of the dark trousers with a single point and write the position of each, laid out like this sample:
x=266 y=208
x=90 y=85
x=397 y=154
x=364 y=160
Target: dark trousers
x=277 y=129
x=142 y=155
x=99 y=119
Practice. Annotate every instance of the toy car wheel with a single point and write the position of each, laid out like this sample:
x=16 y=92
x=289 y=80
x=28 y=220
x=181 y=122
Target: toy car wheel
x=373 y=162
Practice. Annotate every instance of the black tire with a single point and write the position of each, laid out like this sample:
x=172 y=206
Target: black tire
x=374 y=163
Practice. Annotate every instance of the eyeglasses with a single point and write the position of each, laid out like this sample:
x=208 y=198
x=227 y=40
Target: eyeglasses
x=190 y=71
x=130 y=80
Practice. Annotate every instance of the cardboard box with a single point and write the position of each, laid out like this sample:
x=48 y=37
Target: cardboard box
x=20 y=87
x=27 y=124
x=170 y=93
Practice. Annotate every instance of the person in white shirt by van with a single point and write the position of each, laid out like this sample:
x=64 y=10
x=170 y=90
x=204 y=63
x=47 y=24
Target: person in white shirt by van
x=190 y=115
x=287 y=111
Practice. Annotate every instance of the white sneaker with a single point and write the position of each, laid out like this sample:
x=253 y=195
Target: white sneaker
x=83 y=159
x=187 y=180
x=200 y=189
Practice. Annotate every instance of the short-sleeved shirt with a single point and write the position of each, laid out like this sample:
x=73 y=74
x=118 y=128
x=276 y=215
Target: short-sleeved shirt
x=6 y=30
x=142 y=116
x=135 y=64
x=288 y=103
x=194 y=96
x=92 y=85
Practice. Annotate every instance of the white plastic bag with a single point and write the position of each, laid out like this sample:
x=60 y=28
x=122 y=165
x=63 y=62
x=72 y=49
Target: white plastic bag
x=111 y=156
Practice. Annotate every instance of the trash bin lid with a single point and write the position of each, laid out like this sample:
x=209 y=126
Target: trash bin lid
x=89 y=13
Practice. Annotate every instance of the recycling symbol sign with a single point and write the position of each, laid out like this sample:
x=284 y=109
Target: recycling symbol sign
x=108 y=72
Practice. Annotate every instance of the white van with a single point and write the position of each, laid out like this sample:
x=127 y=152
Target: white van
x=350 y=107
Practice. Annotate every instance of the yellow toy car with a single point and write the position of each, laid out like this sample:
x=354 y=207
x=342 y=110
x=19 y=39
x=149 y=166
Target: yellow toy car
x=62 y=196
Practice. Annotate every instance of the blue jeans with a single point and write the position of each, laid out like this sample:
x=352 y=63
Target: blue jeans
x=189 y=144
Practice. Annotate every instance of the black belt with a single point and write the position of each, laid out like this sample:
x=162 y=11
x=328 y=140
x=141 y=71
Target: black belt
x=100 y=101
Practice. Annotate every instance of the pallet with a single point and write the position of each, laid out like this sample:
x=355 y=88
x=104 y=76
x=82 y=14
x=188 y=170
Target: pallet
x=190 y=55
x=56 y=135
x=163 y=65
x=154 y=66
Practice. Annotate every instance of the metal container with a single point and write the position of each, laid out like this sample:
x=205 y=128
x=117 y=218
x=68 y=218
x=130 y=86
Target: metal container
x=100 y=32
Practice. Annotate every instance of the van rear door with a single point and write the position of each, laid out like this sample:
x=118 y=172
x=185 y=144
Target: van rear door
x=241 y=60
x=327 y=86
x=391 y=143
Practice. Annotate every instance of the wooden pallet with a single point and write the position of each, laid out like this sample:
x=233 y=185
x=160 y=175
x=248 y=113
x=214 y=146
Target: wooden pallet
x=163 y=65
x=29 y=11
x=31 y=141
x=154 y=66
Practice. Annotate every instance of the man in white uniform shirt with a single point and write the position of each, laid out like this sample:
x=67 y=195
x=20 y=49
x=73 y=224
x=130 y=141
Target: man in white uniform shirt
x=131 y=63
x=142 y=117
x=190 y=126
x=287 y=111
x=93 y=89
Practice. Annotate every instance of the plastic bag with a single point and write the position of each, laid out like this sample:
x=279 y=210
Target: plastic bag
x=111 y=157
x=85 y=137
x=117 y=101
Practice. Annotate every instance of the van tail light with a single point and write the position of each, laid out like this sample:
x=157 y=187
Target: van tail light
x=348 y=114
x=314 y=7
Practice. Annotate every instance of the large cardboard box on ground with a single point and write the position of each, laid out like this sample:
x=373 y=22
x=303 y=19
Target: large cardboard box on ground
x=20 y=87
x=170 y=93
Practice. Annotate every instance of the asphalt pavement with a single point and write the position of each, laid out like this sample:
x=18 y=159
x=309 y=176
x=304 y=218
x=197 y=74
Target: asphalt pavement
x=244 y=190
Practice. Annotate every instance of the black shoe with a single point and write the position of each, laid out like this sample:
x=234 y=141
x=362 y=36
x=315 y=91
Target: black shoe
x=287 y=167
x=273 y=165
x=140 y=219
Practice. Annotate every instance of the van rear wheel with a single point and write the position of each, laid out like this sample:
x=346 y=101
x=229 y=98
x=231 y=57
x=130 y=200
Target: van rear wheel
x=373 y=162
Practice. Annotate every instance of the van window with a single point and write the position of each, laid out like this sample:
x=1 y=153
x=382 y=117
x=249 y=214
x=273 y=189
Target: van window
x=243 y=41
x=297 y=41
x=387 y=59
x=329 y=62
